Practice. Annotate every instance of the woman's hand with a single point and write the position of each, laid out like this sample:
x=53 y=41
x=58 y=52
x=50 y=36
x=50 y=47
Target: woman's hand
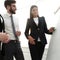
x=52 y=29
x=31 y=40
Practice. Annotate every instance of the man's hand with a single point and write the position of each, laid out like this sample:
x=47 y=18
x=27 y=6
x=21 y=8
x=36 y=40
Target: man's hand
x=18 y=33
x=31 y=40
x=4 y=37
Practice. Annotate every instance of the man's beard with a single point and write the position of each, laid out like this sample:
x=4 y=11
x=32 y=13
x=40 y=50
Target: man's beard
x=12 y=12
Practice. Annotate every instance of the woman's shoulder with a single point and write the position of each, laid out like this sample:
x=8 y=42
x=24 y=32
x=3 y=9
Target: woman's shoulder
x=29 y=19
x=42 y=17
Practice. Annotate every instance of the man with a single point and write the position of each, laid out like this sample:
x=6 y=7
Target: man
x=11 y=27
x=3 y=36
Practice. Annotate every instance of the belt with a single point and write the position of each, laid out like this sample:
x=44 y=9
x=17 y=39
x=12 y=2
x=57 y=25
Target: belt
x=14 y=41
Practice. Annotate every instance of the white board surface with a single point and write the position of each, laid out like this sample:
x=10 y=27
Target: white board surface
x=54 y=47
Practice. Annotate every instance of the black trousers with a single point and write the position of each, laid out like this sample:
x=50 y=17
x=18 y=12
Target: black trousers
x=0 y=56
x=37 y=50
x=12 y=49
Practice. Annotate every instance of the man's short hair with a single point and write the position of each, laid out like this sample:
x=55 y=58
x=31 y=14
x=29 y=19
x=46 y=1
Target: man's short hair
x=8 y=2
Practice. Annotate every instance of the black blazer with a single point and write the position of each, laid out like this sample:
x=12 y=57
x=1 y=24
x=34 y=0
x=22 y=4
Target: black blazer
x=2 y=26
x=37 y=31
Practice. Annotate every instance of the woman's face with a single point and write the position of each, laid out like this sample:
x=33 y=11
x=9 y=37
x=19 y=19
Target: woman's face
x=34 y=12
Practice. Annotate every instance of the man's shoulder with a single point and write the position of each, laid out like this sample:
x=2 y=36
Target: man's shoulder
x=4 y=15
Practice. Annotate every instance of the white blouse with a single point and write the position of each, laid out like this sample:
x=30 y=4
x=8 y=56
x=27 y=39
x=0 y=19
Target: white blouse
x=36 y=21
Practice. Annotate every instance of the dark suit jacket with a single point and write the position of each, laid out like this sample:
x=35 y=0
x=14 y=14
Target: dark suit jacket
x=37 y=31
x=2 y=27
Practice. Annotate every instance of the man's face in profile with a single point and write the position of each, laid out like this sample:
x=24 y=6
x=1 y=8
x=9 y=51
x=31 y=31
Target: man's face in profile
x=12 y=8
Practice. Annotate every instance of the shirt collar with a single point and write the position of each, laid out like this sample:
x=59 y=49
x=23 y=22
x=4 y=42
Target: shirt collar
x=35 y=18
x=8 y=14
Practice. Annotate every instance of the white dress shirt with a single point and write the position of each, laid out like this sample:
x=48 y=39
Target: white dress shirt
x=8 y=25
x=36 y=21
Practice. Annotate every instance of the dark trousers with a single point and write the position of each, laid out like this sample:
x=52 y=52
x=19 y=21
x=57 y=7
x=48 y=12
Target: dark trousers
x=36 y=50
x=0 y=56
x=12 y=49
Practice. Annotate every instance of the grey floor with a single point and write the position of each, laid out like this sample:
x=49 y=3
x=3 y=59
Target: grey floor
x=27 y=54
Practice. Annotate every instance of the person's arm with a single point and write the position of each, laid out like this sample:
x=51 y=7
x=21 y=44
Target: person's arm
x=27 y=29
x=3 y=24
x=4 y=37
x=30 y=38
x=18 y=32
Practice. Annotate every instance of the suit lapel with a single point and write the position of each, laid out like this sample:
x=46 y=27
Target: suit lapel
x=0 y=21
x=39 y=22
x=35 y=23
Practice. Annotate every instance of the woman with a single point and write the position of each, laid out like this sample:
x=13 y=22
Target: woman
x=36 y=37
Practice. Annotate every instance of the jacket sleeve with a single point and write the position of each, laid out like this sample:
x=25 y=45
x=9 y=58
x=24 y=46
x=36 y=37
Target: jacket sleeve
x=3 y=24
x=45 y=27
x=27 y=29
